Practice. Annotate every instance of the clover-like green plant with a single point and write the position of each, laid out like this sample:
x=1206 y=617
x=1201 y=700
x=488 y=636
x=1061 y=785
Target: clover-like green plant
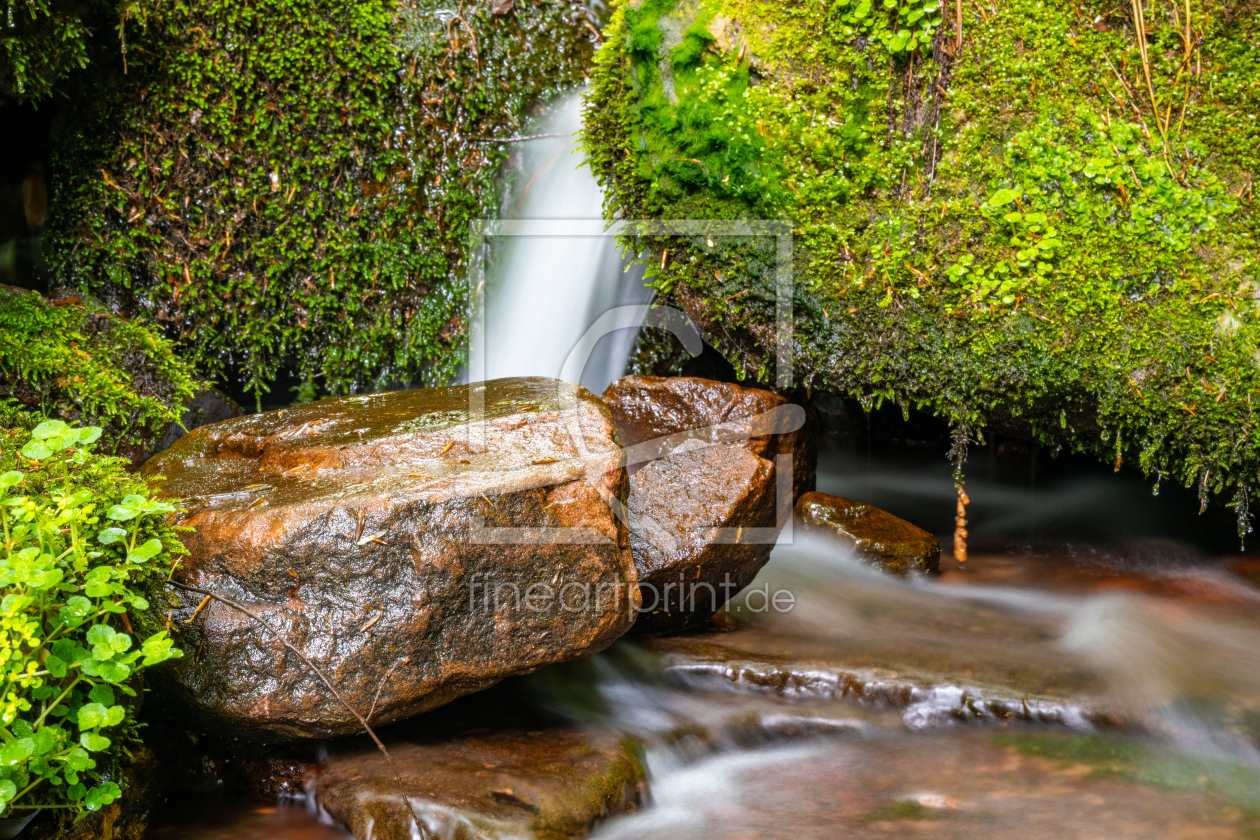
x=911 y=24
x=82 y=544
x=914 y=24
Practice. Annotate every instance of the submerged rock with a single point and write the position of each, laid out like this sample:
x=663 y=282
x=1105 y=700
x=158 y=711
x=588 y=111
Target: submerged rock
x=413 y=554
x=814 y=627
x=883 y=540
x=959 y=785
x=506 y=771
x=646 y=408
x=687 y=567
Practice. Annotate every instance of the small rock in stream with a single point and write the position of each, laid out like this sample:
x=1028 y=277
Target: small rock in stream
x=876 y=536
x=687 y=567
x=954 y=785
x=412 y=554
x=487 y=769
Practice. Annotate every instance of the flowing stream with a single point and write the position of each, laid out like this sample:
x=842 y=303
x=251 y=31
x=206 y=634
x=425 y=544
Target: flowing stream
x=1080 y=688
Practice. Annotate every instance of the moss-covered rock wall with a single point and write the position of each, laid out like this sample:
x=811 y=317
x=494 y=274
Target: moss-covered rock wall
x=1041 y=217
x=68 y=358
x=287 y=185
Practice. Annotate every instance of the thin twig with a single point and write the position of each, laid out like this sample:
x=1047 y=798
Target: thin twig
x=309 y=664
x=388 y=674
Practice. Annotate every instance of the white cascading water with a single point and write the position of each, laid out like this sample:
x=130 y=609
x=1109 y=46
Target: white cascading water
x=549 y=290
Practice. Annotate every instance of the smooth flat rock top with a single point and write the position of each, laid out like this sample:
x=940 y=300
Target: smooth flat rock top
x=412 y=552
x=537 y=432
x=884 y=540
x=650 y=407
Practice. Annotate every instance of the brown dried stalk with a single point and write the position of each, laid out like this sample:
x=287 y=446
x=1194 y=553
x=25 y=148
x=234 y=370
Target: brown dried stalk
x=960 y=526
x=424 y=834
x=1139 y=25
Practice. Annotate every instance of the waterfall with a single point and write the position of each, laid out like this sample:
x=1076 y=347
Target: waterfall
x=547 y=291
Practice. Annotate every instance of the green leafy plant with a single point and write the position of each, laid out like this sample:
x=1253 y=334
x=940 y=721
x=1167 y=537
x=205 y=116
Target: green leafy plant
x=913 y=26
x=82 y=545
x=906 y=26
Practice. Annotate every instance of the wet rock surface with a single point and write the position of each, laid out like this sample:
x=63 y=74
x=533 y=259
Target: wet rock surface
x=842 y=630
x=491 y=766
x=220 y=818
x=208 y=406
x=701 y=527
x=266 y=776
x=649 y=407
x=1233 y=582
x=412 y=554
x=926 y=694
x=966 y=784
x=881 y=539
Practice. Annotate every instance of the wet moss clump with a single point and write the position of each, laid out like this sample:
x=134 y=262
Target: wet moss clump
x=1040 y=220
x=288 y=185
x=70 y=359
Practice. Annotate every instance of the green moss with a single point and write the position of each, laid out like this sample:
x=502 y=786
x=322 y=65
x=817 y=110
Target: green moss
x=1134 y=762
x=74 y=361
x=905 y=809
x=43 y=40
x=1004 y=235
x=287 y=185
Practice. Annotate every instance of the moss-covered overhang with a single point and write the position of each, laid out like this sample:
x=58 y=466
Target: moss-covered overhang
x=1005 y=226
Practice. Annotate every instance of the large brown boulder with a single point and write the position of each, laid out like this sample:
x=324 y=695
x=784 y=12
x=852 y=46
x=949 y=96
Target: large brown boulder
x=702 y=523
x=876 y=536
x=411 y=552
x=650 y=407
